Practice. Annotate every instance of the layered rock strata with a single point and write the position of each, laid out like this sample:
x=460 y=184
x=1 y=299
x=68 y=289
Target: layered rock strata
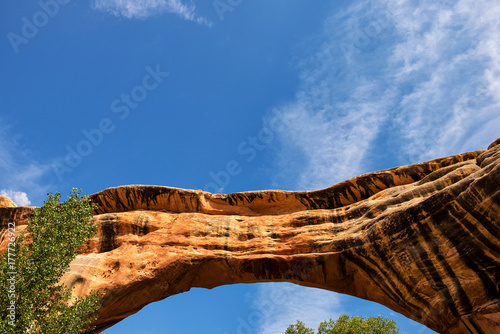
x=422 y=240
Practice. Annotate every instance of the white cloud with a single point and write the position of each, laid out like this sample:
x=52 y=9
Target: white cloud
x=19 y=197
x=450 y=57
x=20 y=174
x=282 y=304
x=405 y=80
x=145 y=8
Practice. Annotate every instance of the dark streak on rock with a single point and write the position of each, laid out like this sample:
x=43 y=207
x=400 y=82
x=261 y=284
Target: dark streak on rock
x=108 y=241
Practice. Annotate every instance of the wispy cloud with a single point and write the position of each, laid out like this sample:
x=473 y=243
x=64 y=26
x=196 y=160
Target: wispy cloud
x=448 y=57
x=145 y=8
x=283 y=304
x=402 y=80
x=20 y=175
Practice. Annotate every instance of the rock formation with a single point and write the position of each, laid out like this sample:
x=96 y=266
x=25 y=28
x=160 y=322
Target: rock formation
x=6 y=202
x=422 y=240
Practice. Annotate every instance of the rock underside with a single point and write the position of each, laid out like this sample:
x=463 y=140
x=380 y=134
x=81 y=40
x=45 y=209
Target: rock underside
x=421 y=239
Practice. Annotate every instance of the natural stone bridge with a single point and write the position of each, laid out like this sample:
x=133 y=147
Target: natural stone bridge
x=422 y=240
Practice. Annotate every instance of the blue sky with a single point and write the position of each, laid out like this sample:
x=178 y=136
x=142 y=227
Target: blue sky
x=294 y=95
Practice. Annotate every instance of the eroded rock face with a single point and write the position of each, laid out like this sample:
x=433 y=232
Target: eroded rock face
x=422 y=240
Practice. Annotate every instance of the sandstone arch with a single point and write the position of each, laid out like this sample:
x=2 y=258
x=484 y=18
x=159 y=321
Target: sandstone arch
x=421 y=239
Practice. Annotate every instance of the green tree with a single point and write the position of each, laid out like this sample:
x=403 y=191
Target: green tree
x=31 y=282
x=299 y=328
x=349 y=325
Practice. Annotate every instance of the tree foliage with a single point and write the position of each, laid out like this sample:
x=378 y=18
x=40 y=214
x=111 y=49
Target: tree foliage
x=348 y=325
x=299 y=328
x=31 y=282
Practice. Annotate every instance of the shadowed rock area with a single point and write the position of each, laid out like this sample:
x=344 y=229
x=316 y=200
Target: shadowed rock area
x=422 y=240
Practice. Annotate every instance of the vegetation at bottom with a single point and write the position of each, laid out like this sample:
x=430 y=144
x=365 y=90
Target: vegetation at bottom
x=348 y=325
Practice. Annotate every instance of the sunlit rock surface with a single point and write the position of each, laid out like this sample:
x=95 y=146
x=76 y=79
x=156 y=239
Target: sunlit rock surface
x=6 y=202
x=422 y=240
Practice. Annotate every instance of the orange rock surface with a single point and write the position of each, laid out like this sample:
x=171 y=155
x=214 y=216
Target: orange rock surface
x=6 y=202
x=422 y=240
